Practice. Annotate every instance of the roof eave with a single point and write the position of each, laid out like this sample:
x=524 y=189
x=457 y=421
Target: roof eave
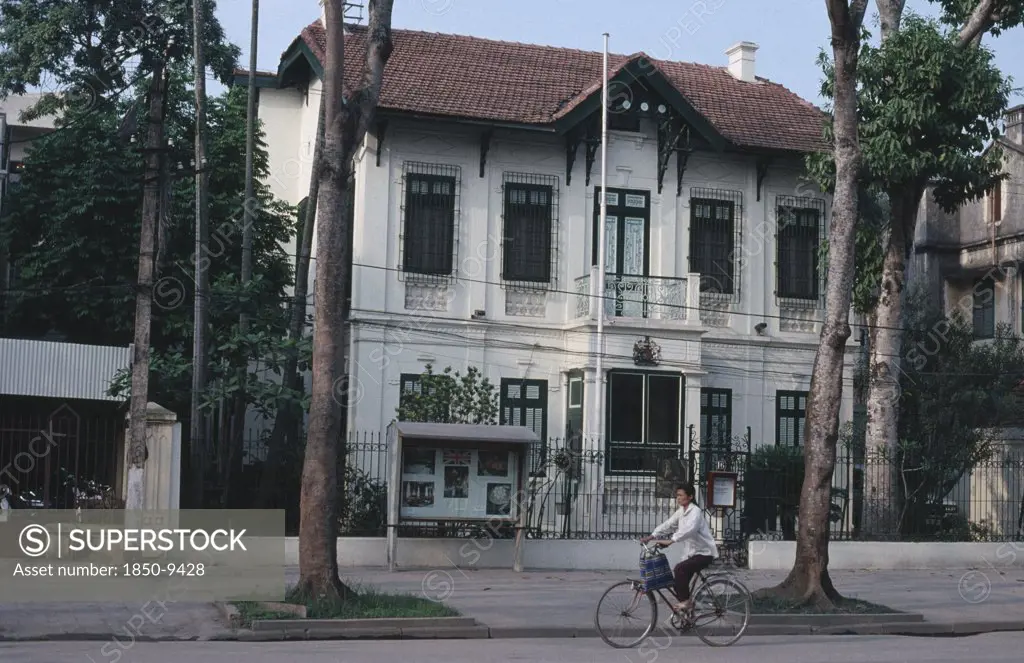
x=461 y=119
x=662 y=86
x=262 y=80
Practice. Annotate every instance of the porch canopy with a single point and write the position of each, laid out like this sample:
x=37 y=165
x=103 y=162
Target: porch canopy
x=482 y=433
x=442 y=458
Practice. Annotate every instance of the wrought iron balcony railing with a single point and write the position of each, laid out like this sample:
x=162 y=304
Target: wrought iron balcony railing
x=632 y=296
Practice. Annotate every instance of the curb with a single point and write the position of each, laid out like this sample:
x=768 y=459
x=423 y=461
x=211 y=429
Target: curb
x=479 y=631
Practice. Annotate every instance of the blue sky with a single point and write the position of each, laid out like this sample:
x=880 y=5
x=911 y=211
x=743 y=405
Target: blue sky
x=790 y=34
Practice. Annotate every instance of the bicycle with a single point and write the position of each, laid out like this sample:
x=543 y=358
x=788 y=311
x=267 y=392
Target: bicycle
x=707 y=602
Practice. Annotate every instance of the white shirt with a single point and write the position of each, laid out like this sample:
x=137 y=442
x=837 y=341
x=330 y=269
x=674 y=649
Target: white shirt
x=691 y=529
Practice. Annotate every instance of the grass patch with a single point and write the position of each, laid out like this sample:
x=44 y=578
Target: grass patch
x=773 y=606
x=366 y=602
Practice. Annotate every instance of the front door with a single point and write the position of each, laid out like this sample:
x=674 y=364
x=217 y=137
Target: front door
x=627 y=258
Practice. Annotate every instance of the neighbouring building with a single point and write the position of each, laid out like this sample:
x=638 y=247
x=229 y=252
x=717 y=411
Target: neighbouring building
x=16 y=136
x=477 y=198
x=970 y=258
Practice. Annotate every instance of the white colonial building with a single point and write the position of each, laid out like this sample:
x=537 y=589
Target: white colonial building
x=476 y=205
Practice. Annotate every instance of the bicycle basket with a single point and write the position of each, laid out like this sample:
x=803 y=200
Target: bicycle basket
x=655 y=571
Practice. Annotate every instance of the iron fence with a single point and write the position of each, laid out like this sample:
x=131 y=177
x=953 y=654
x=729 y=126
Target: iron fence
x=59 y=454
x=568 y=493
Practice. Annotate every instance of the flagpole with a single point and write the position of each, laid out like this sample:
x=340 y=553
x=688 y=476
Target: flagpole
x=602 y=239
x=602 y=235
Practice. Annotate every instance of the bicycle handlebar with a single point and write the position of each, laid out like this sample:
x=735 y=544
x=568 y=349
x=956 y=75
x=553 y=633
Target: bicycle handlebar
x=649 y=548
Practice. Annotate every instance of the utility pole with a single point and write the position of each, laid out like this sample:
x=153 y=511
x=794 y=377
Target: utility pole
x=197 y=436
x=138 y=450
x=250 y=207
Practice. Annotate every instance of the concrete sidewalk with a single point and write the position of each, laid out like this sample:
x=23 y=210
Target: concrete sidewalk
x=544 y=603
x=505 y=599
x=117 y=625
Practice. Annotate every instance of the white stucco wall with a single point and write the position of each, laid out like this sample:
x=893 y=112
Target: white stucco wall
x=391 y=337
x=448 y=555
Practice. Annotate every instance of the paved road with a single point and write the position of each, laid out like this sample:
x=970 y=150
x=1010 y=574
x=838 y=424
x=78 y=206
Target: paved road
x=501 y=598
x=991 y=648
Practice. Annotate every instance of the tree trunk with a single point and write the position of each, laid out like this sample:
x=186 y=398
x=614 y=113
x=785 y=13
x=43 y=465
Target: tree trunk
x=880 y=512
x=138 y=450
x=287 y=416
x=197 y=440
x=809 y=582
x=882 y=497
x=882 y=494
x=345 y=129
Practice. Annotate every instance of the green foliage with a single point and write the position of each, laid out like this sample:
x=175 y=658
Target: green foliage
x=451 y=398
x=953 y=389
x=955 y=13
x=362 y=509
x=927 y=109
x=77 y=252
x=84 y=53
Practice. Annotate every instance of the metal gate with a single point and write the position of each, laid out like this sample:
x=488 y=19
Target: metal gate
x=728 y=526
x=58 y=454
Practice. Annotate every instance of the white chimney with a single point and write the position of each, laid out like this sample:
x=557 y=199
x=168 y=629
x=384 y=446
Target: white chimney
x=323 y=13
x=741 y=60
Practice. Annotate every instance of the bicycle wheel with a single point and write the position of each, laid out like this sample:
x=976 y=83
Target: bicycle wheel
x=721 y=611
x=632 y=614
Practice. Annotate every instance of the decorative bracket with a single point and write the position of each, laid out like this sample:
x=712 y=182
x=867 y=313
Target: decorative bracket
x=485 y=146
x=592 y=145
x=682 y=157
x=762 y=170
x=671 y=140
x=382 y=130
x=572 y=144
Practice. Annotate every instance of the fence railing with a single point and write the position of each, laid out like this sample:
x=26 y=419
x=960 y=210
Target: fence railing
x=568 y=493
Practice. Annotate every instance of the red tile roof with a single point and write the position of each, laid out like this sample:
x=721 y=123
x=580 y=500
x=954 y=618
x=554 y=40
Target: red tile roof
x=464 y=76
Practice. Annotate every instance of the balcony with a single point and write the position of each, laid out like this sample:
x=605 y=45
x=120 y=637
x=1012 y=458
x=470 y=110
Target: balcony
x=648 y=297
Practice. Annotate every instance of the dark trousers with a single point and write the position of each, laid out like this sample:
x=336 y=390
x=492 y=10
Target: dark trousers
x=684 y=572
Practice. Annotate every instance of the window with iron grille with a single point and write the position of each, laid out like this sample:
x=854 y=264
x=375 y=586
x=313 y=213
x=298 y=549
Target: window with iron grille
x=716 y=416
x=790 y=418
x=429 y=219
x=984 y=308
x=530 y=230
x=798 y=241
x=714 y=237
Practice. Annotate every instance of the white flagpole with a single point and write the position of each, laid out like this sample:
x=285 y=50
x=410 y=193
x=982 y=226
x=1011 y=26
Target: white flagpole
x=602 y=239
x=602 y=233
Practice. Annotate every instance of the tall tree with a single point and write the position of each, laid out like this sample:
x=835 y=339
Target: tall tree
x=71 y=248
x=87 y=47
x=929 y=101
x=809 y=581
x=346 y=122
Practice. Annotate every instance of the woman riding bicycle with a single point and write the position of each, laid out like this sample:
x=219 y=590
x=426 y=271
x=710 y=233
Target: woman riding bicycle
x=694 y=532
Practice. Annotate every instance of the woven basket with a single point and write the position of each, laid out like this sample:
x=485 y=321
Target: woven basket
x=655 y=571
